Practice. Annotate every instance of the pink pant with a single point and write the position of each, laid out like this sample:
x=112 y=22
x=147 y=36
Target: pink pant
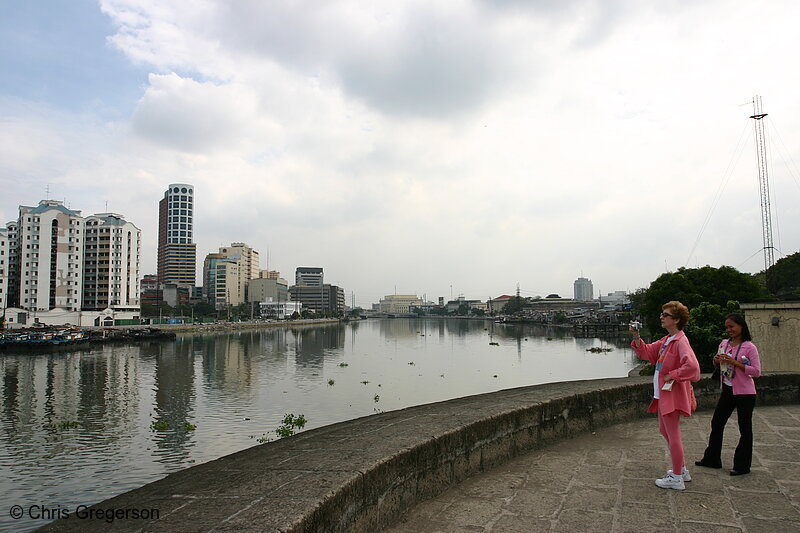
x=670 y=426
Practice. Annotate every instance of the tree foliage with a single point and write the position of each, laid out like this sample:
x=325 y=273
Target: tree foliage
x=783 y=279
x=706 y=328
x=514 y=305
x=693 y=286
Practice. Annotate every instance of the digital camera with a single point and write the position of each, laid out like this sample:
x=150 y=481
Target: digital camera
x=635 y=324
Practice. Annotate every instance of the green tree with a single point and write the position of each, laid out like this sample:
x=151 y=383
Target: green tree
x=783 y=278
x=693 y=286
x=204 y=309
x=463 y=309
x=706 y=328
x=514 y=305
x=477 y=312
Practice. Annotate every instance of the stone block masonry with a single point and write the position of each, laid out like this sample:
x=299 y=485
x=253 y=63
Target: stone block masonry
x=361 y=475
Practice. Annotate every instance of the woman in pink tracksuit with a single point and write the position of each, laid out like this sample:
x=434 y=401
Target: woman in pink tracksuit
x=740 y=358
x=673 y=395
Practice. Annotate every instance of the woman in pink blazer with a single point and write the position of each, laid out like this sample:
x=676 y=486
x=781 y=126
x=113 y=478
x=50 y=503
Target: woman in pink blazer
x=673 y=395
x=739 y=363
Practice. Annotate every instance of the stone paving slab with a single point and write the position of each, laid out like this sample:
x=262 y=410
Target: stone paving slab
x=604 y=481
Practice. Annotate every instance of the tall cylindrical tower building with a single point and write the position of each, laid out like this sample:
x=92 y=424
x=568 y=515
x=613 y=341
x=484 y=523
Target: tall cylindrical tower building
x=176 y=250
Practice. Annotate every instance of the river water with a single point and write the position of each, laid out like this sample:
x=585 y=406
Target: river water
x=80 y=427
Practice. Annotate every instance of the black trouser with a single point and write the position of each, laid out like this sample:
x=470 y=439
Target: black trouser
x=744 y=404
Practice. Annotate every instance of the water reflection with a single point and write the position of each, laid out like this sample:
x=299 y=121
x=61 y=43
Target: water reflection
x=80 y=427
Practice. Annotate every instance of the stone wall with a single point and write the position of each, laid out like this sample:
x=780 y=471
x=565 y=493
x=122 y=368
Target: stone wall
x=360 y=475
x=775 y=328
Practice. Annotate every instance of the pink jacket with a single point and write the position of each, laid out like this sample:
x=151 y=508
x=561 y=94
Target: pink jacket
x=681 y=365
x=742 y=382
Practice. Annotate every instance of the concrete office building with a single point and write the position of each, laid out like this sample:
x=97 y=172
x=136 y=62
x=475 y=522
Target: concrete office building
x=112 y=247
x=308 y=276
x=222 y=285
x=177 y=253
x=50 y=257
x=225 y=290
x=325 y=298
x=583 y=289
x=268 y=290
x=248 y=260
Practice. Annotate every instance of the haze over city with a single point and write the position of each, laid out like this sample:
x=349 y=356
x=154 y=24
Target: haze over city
x=430 y=148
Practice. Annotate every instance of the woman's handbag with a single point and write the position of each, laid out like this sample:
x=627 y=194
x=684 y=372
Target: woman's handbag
x=715 y=374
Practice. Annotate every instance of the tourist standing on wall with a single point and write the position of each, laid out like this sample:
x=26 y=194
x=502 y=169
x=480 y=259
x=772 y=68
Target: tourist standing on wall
x=738 y=361
x=673 y=395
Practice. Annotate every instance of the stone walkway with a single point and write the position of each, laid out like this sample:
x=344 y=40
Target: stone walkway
x=604 y=481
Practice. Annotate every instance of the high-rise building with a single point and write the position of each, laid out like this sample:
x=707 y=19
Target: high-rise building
x=12 y=262
x=584 y=291
x=221 y=281
x=315 y=295
x=308 y=276
x=50 y=257
x=247 y=259
x=177 y=253
x=4 y=276
x=111 y=262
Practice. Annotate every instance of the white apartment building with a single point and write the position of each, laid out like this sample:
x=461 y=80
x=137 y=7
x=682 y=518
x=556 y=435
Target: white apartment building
x=112 y=248
x=399 y=303
x=4 y=273
x=584 y=290
x=50 y=257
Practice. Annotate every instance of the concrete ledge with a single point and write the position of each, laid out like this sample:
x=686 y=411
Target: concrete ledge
x=360 y=475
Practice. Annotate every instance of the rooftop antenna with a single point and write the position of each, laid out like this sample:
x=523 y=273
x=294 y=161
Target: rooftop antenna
x=763 y=183
x=47 y=192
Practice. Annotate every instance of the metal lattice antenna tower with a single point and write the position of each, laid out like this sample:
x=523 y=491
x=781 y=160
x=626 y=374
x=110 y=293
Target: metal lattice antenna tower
x=763 y=183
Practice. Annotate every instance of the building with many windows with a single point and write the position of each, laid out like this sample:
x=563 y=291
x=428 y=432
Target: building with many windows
x=50 y=257
x=4 y=275
x=399 y=303
x=227 y=275
x=112 y=249
x=308 y=276
x=12 y=263
x=584 y=291
x=177 y=253
x=268 y=290
x=315 y=295
x=248 y=262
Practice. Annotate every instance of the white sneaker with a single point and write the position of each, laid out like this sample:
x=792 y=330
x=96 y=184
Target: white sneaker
x=686 y=475
x=671 y=481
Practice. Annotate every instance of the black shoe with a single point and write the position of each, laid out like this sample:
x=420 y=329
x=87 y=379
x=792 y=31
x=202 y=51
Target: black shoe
x=739 y=472
x=708 y=464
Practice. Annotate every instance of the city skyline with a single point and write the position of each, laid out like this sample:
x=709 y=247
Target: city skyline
x=434 y=149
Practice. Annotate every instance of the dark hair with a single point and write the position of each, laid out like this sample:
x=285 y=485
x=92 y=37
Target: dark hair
x=739 y=319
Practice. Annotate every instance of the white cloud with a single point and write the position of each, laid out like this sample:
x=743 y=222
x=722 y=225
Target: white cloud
x=430 y=144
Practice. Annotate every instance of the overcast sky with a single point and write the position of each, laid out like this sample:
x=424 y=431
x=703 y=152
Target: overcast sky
x=420 y=147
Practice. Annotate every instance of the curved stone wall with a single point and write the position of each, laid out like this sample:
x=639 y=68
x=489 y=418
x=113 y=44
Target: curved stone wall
x=361 y=474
